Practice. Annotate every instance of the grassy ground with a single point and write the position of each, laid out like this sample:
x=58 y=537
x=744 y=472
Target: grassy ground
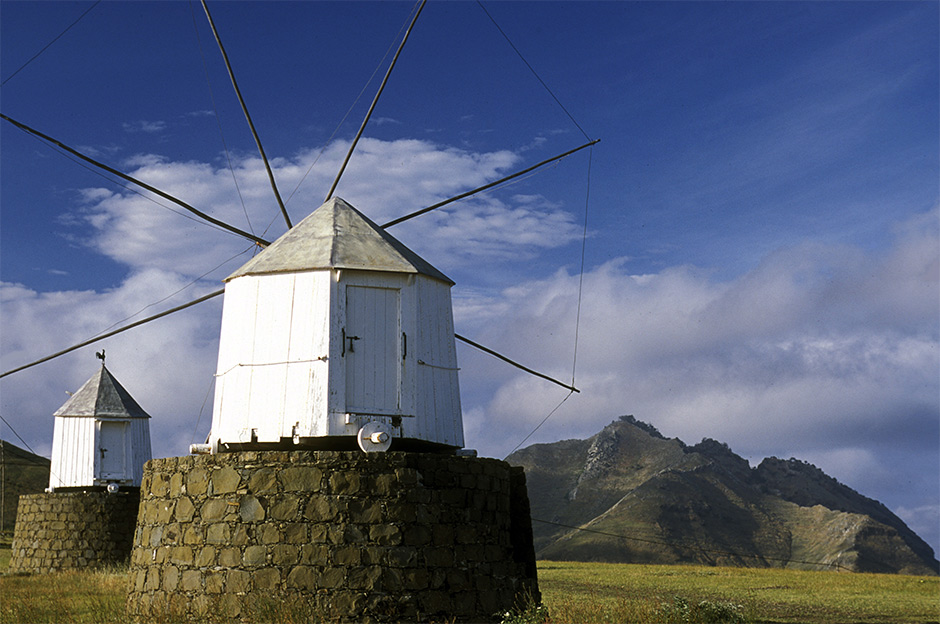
x=592 y=592
x=582 y=593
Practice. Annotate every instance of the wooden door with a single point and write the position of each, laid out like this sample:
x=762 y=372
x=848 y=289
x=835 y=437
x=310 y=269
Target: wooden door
x=111 y=449
x=372 y=343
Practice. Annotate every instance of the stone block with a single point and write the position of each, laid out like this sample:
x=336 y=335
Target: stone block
x=196 y=482
x=295 y=533
x=285 y=555
x=214 y=509
x=237 y=581
x=225 y=480
x=176 y=485
x=285 y=508
x=181 y=555
x=266 y=579
x=415 y=579
x=184 y=509
x=250 y=509
x=269 y=534
x=263 y=481
x=205 y=557
x=385 y=486
x=368 y=511
x=417 y=535
x=254 y=555
x=241 y=535
x=171 y=577
x=218 y=533
x=348 y=602
x=314 y=554
x=345 y=483
x=302 y=577
x=353 y=534
x=385 y=534
x=191 y=581
x=331 y=578
x=346 y=556
x=442 y=557
x=215 y=581
x=305 y=478
x=321 y=509
x=193 y=535
x=402 y=557
x=230 y=557
x=363 y=577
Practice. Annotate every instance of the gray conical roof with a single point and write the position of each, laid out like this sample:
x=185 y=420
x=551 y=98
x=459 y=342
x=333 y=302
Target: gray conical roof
x=102 y=397
x=337 y=236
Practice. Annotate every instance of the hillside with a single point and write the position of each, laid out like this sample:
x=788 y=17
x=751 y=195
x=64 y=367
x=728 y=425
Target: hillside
x=644 y=498
x=23 y=473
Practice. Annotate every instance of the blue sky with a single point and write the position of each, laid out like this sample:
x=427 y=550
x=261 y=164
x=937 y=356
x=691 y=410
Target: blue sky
x=762 y=254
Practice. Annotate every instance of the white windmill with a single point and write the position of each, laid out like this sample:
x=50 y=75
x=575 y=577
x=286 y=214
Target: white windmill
x=101 y=438
x=337 y=331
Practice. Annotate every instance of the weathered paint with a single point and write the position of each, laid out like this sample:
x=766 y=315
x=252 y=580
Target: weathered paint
x=315 y=352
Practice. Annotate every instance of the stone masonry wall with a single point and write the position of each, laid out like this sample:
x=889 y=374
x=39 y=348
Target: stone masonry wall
x=339 y=535
x=59 y=531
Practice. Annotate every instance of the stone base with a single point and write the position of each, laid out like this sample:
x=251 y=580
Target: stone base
x=59 y=531
x=343 y=536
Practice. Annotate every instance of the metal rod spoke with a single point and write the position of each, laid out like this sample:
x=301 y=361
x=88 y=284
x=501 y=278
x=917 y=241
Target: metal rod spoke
x=418 y=213
x=241 y=100
x=143 y=185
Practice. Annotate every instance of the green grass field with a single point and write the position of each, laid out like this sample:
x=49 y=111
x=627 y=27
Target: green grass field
x=596 y=592
x=581 y=593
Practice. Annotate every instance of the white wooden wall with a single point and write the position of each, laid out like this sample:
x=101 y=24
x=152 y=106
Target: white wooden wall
x=437 y=392
x=273 y=357
x=141 y=451
x=282 y=370
x=73 y=452
x=76 y=460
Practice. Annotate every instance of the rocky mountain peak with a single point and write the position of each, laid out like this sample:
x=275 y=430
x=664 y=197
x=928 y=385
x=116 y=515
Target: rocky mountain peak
x=648 y=498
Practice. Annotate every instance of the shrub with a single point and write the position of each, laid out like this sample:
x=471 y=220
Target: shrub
x=705 y=612
x=526 y=612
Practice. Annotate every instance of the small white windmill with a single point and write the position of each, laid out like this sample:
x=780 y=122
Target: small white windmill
x=101 y=437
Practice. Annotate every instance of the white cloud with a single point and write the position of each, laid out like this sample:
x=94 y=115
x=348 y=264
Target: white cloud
x=165 y=365
x=149 y=127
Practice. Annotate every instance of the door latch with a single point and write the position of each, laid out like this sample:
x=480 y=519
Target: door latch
x=351 y=339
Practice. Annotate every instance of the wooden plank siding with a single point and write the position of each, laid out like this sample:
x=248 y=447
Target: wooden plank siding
x=73 y=448
x=273 y=354
x=283 y=369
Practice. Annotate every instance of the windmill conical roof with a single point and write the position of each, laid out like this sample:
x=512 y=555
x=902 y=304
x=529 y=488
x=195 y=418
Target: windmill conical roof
x=337 y=236
x=102 y=397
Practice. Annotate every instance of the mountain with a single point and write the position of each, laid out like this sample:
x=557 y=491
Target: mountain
x=628 y=494
x=22 y=473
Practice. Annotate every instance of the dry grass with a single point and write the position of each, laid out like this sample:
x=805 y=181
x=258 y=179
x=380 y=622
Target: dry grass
x=64 y=598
